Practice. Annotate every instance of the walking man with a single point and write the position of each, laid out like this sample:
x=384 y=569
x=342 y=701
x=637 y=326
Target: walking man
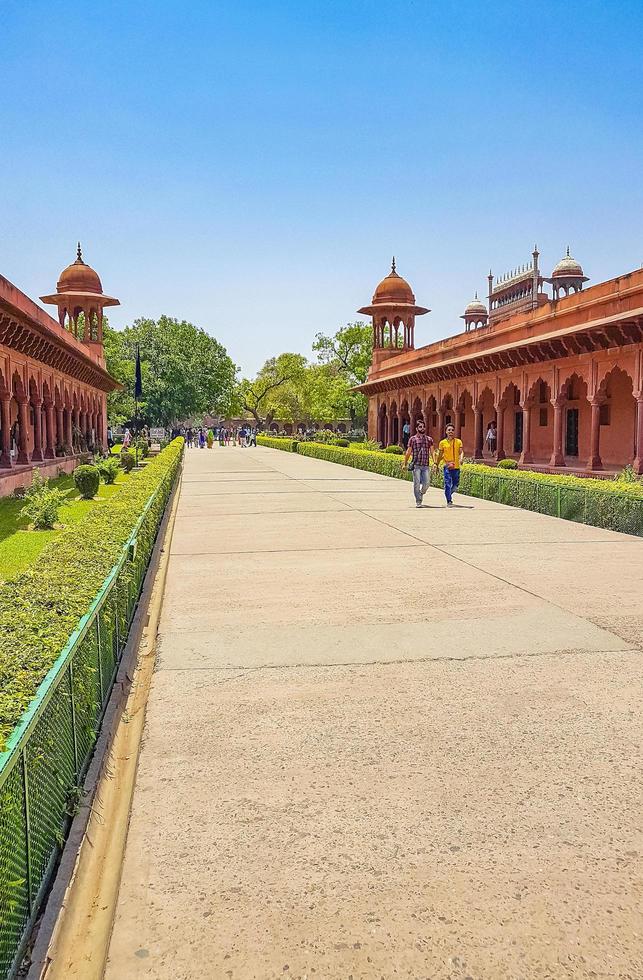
x=450 y=452
x=406 y=434
x=418 y=452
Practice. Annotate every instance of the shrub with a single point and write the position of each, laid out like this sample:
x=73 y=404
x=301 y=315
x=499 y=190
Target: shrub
x=109 y=469
x=288 y=445
x=342 y=442
x=396 y=450
x=42 y=503
x=128 y=460
x=507 y=464
x=87 y=481
x=40 y=608
x=369 y=446
x=143 y=448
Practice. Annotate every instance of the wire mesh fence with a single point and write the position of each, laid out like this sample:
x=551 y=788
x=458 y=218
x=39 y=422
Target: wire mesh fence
x=48 y=754
x=601 y=508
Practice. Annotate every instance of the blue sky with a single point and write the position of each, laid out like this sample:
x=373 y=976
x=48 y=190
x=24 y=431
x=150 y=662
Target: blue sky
x=252 y=166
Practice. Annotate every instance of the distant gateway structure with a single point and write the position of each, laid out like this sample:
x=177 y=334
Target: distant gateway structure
x=560 y=375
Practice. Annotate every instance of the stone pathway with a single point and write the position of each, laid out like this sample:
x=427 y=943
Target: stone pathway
x=385 y=742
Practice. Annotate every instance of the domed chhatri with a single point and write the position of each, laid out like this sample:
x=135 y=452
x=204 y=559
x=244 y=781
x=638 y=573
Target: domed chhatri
x=567 y=266
x=79 y=290
x=393 y=309
x=475 y=306
x=567 y=277
x=475 y=314
x=393 y=289
x=79 y=277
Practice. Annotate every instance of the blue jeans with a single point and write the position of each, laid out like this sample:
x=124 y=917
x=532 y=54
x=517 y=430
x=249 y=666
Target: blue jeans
x=420 y=482
x=451 y=482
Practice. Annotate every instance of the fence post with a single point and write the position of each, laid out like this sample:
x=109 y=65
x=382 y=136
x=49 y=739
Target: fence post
x=25 y=800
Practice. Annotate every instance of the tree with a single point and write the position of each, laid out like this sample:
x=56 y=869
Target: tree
x=350 y=352
x=185 y=371
x=264 y=398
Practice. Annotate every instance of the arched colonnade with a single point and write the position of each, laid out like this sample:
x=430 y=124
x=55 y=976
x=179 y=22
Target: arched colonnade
x=42 y=418
x=582 y=418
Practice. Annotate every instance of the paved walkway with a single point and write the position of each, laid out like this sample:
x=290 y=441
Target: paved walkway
x=385 y=742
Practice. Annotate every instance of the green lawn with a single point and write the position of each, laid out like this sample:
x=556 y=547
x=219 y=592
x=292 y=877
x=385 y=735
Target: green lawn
x=20 y=547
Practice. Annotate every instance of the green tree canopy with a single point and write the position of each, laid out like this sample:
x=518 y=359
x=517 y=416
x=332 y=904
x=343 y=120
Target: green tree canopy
x=350 y=353
x=185 y=371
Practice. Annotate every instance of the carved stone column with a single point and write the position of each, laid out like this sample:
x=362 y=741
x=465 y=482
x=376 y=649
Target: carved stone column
x=23 y=423
x=37 y=454
x=557 y=456
x=5 y=422
x=500 y=433
x=638 y=461
x=60 y=426
x=50 y=442
x=479 y=435
x=526 y=454
x=594 y=462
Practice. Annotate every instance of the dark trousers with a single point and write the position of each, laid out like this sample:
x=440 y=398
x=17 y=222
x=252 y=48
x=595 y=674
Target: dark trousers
x=451 y=482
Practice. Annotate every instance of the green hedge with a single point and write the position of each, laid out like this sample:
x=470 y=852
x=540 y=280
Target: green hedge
x=611 y=504
x=274 y=442
x=40 y=608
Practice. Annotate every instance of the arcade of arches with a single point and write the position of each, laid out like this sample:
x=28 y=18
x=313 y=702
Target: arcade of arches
x=53 y=383
x=562 y=383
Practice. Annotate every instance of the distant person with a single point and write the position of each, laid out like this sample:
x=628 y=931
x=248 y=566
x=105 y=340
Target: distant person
x=110 y=436
x=406 y=435
x=201 y=439
x=451 y=453
x=127 y=439
x=491 y=437
x=418 y=452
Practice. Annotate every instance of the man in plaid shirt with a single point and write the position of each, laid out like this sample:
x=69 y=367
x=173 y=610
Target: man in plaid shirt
x=418 y=452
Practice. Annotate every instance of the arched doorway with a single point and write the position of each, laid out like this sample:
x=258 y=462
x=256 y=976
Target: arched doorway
x=616 y=418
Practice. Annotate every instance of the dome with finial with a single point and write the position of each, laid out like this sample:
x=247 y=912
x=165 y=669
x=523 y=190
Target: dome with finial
x=567 y=266
x=475 y=306
x=79 y=277
x=393 y=289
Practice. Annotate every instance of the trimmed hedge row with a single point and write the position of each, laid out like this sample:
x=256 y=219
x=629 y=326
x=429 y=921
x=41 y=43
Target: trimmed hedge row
x=40 y=608
x=610 y=504
x=275 y=442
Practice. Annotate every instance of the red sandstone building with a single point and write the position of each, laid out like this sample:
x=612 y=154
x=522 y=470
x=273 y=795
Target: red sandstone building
x=53 y=382
x=561 y=375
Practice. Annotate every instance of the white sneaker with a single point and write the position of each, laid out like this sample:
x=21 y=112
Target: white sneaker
x=417 y=505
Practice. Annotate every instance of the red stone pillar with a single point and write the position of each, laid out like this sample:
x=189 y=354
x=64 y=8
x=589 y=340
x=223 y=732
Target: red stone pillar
x=50 y=444
x=557 y=457
x=594 y=462
x=37 y=454
x=458 y=422
x=5 y=420
x=525 y=455
x=500 y=433
x=440 y=424
x=60 y=426
x=479 y=436
x=23 y=424
x=69 y=433
x=638 y=461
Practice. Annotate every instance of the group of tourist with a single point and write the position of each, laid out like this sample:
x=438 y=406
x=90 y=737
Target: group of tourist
x=245 y=435
x=420 y=456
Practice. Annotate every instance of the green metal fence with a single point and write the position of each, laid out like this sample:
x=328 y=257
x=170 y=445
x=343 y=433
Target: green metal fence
x=47 y=755
x=607 y=509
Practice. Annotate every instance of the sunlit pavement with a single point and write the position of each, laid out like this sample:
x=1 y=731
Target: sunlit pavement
x=385 y=741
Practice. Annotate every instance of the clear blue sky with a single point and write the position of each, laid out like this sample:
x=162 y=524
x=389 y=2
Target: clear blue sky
x=252 y=166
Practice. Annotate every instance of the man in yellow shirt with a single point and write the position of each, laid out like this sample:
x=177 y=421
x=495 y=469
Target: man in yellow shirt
x=451 y=452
